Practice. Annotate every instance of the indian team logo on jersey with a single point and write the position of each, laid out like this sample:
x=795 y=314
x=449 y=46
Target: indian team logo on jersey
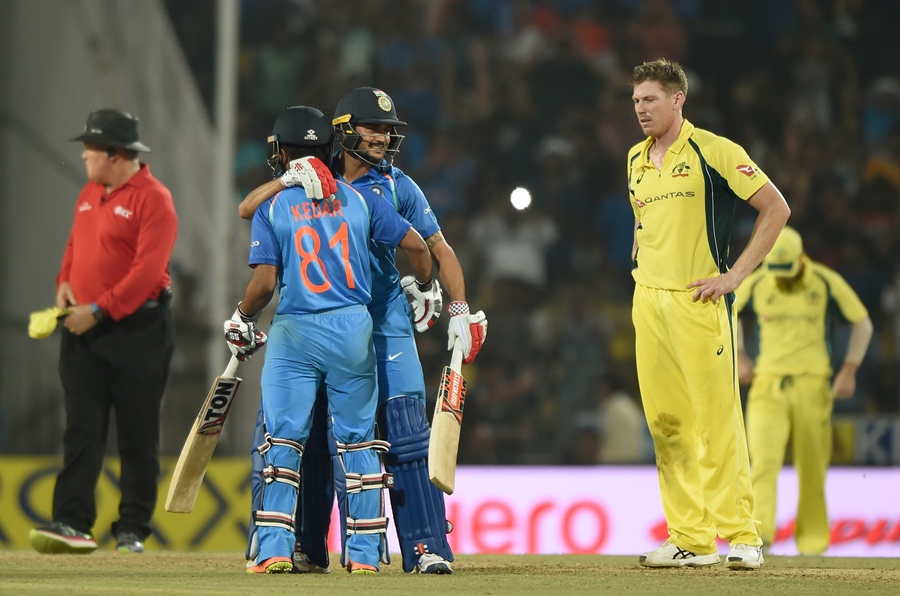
x=377 y=190
x=681 y=170
x=748 y=171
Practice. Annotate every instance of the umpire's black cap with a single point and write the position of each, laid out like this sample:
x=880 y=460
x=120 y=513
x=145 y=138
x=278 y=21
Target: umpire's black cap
x=302 y=126
x=366 y=105
x=113 y=128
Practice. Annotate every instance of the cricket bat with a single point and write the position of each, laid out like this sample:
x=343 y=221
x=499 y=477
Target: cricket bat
x=201 y=441
x=445 y=425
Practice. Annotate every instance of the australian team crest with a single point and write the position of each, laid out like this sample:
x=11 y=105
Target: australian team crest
x=681 y=170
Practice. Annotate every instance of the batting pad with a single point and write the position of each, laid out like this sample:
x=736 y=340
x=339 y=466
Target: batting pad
x=418 y=505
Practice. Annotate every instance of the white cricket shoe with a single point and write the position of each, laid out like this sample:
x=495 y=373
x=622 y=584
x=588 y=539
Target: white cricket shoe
x=744 y=556
x=432 y=563
x=670 y=555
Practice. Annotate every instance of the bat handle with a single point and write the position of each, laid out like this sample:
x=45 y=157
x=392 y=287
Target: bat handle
x=457 y=357
x=231 y=369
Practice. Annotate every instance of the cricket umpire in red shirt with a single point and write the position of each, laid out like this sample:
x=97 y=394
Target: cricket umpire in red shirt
x=118 y=339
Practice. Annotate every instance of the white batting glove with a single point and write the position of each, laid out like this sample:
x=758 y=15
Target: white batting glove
x=426 y=301
x=470 y=329
x=313 y=175
x=242 y=336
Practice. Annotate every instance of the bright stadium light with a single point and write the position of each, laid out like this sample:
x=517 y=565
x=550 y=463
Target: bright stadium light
x=520 y=198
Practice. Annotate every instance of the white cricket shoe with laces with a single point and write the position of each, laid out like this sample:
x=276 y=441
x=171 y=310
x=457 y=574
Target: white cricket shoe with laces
x=744 y=556
x=432 y=563
x=670 y=555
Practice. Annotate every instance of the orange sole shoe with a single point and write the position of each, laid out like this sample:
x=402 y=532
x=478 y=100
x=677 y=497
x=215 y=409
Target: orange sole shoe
x=273 y=565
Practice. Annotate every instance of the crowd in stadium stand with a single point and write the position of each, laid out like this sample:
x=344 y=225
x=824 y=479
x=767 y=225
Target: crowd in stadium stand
x=501 y=94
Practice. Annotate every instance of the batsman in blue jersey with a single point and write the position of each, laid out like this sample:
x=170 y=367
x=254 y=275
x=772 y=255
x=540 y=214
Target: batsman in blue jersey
x=316 y=253
x=366 y=123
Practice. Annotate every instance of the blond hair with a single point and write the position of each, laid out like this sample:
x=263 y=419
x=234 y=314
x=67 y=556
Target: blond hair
x=669 y=75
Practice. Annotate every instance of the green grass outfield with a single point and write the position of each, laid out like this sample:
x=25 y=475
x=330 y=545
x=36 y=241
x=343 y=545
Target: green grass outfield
x=23 y=572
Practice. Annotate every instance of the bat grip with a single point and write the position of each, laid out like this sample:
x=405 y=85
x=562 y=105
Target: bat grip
x=231 y=369
x=457 y=357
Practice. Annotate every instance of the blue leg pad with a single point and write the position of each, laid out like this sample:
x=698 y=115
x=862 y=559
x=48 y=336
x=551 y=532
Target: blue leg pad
x=418 y=505
x=316 y=486
x=257 y=463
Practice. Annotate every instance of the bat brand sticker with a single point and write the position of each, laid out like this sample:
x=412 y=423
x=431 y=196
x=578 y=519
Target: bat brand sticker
x=453 y=393
x=218 y=407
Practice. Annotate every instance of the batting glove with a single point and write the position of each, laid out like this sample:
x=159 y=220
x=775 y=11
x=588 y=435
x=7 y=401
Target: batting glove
x=242 y=335
x=313 y=175
x=426 y=301
x=469 y=329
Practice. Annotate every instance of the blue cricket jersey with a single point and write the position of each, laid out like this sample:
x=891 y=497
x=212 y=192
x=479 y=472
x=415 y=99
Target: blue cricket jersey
x=322 y=249
x=405 y=196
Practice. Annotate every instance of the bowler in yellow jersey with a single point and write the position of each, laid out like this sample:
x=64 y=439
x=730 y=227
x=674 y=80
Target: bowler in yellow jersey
x=796 y=301
x=684 y=184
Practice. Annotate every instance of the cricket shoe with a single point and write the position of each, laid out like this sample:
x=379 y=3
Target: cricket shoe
x=303 y=564
x=670 y=555
x=744 y=556
x=434 y=564
x=273 y=565
x=129 y=542
x=61 y=538
x=361 y=568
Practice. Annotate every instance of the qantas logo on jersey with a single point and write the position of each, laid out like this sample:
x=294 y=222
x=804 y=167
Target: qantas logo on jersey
x=315 y=210
x=84 y=207
x=809 y=317
x=748 y=171
x=664 y=196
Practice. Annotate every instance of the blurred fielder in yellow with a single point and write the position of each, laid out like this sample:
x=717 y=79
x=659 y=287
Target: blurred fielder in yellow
x=796 y=301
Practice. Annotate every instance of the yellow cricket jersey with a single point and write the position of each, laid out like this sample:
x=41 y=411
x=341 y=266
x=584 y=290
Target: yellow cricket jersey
x=686 y=209
x=795 y=329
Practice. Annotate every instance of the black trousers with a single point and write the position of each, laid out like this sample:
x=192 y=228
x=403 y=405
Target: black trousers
x=122 y=365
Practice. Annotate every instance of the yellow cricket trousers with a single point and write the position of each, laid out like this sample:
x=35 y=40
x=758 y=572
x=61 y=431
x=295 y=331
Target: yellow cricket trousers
x=687 y=371
x=779 y=407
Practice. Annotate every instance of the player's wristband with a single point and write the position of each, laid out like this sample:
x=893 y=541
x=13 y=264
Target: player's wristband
x=98 y=312
x=247 y=318
x=458 y=308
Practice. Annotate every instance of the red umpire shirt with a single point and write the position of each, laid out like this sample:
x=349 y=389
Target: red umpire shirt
x=120 y=244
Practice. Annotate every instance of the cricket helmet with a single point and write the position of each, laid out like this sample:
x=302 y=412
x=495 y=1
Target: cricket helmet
x=300 y=126
x=367 y=105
